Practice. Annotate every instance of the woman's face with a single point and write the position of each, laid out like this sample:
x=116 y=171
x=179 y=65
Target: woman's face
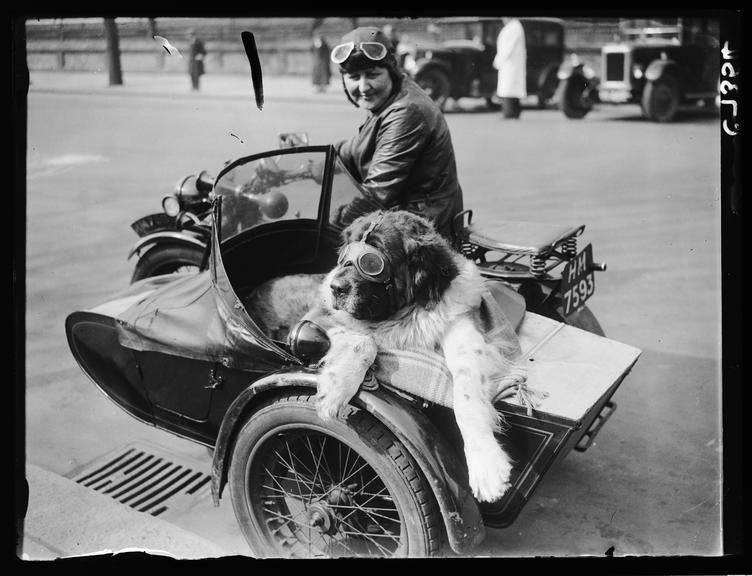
x=369 y=88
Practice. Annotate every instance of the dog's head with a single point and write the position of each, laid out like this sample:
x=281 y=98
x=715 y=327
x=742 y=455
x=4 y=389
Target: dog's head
x=390 y=260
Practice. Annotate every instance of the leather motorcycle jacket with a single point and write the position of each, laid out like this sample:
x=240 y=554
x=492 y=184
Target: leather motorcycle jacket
x=403 y=157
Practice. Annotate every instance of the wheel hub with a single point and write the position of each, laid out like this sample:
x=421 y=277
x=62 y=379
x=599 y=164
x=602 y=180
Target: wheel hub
x=323 y=514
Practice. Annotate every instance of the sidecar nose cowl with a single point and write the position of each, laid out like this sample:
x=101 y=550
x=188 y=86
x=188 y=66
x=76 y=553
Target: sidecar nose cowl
x=308 y=341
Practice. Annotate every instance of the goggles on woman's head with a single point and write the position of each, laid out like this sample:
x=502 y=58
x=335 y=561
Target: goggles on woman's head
x=368 y=261
x=374 y=50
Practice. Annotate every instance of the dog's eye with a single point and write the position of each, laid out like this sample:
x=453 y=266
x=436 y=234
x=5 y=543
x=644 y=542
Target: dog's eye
x=347 y=263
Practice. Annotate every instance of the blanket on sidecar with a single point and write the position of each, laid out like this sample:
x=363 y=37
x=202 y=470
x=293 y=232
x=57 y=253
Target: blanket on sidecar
x=190 y=315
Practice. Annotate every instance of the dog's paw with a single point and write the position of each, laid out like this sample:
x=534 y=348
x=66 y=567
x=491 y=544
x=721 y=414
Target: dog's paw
x=489 y=474
x=331 y=397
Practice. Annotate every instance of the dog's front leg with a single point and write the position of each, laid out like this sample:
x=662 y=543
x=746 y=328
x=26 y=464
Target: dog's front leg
x=343 y=370
x=489 y=466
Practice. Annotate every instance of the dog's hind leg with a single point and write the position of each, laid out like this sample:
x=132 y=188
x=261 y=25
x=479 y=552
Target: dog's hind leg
x=489 y=466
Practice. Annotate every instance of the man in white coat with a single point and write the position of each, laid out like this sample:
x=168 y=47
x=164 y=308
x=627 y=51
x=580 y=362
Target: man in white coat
x=511 y=62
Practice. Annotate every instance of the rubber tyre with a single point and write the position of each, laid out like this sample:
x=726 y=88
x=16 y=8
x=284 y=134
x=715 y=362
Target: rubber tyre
x=660 y=100
x=436 y=85
x=167 y=259
x=287 y=422
x=574 y=102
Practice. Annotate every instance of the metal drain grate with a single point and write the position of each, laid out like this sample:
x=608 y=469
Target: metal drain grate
x=146 y=478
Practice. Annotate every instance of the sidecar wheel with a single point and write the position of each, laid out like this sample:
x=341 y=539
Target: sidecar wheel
x=304 y=487
x=168 y=259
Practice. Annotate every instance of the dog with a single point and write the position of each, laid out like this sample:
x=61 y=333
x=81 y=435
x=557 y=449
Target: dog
x=399 y=284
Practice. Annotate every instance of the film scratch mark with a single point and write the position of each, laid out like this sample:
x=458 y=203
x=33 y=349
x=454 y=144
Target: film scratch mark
x=249 y=43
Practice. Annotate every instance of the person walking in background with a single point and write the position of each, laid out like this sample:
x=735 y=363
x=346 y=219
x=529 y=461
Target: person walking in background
x=321 y=71
x=196 y=54
x=511 y=62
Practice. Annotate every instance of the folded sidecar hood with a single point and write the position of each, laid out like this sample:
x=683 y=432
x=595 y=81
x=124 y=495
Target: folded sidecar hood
x=191 y=315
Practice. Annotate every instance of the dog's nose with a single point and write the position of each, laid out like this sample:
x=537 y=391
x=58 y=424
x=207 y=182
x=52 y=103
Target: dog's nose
x=340 y=286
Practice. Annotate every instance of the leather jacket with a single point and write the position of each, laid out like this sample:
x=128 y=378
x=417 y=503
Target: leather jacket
x=403 y=157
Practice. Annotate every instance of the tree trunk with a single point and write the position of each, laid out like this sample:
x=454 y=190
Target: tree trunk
x=113 y=52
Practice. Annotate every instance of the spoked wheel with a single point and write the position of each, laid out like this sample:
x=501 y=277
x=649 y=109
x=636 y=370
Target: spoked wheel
x=302 y=487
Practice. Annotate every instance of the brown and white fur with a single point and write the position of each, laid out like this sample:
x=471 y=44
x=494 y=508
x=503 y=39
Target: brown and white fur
x=438 y=294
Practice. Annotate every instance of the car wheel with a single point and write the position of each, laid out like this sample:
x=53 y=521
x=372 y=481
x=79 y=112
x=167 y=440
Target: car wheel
x=575 y=100
x=660 y=100
x=168 y=259
x=436 y=85
x=304 y=487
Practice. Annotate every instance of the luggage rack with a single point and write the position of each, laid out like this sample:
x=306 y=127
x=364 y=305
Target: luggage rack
x=537 y=249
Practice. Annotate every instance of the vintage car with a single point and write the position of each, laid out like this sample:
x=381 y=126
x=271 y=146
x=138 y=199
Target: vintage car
x=184 y=352
x=460 y=64
x=660 y=68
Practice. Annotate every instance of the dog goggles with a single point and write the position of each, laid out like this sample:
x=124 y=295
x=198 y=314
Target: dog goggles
x=368 y=261
x=374 y=50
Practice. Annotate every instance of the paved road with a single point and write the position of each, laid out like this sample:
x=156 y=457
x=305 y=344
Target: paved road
x=98 y=158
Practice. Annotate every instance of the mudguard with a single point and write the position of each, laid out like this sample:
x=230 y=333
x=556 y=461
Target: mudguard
x=567 y=69
x=166 y=237
x=659 y=68
x=424 y=64
x=437 y=459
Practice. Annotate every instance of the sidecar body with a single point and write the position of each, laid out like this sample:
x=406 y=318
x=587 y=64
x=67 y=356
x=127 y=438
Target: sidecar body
x=183 y=352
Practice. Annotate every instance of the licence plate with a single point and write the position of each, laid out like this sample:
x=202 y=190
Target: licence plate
x=577 y=281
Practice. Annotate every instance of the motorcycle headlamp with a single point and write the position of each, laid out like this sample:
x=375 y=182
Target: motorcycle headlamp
x=171 y=205
x=369 y=262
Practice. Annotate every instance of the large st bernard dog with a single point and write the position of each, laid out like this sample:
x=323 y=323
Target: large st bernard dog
x=398 y=284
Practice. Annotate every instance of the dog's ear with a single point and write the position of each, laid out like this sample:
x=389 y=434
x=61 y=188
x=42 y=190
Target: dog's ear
x=431 y=269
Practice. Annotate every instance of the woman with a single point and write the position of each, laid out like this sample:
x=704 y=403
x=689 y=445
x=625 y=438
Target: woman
x=402 y=154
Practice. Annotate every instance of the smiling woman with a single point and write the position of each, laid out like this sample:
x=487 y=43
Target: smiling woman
x=402 y=155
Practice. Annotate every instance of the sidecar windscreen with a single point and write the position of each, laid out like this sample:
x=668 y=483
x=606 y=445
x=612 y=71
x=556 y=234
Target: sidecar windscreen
x=200 y=316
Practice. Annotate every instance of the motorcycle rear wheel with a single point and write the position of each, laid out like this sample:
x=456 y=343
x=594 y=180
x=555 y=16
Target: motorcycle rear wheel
x=168 y=259
x=304 y=487
x=584 y=319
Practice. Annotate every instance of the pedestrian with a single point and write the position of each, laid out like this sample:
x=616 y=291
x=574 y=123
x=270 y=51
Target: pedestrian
x=511 y=62
x=320 y=56
x=196 y=54
x=402 y=155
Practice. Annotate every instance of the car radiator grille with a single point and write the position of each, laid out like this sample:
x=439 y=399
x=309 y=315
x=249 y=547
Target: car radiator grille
x=615 y=67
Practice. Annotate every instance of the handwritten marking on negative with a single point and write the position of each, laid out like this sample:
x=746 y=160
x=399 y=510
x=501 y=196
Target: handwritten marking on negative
x=249 y=43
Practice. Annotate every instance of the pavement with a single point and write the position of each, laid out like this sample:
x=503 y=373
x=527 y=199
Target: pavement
x=66 y=519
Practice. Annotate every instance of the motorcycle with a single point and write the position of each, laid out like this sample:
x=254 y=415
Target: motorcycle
x=183 y=352
x=527 y=256
x=176 y=239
